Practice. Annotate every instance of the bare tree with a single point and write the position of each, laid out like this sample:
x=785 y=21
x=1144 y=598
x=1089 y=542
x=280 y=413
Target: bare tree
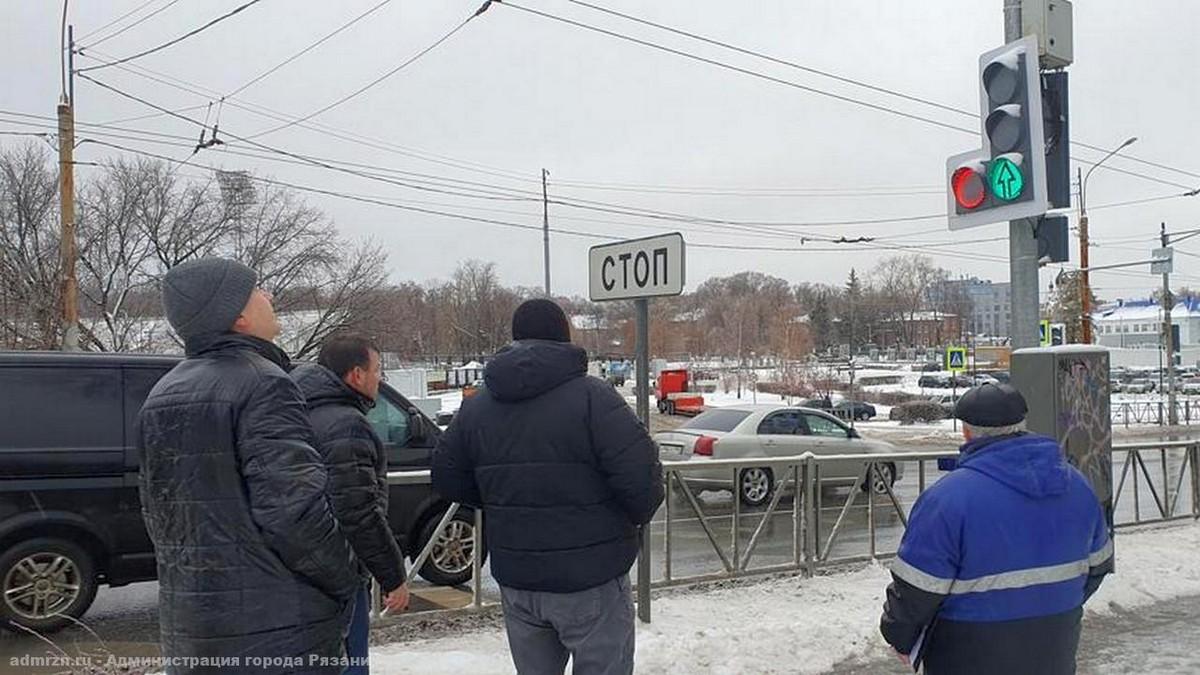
x=29 y=255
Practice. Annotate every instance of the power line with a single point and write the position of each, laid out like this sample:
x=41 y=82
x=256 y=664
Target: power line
x=737 y=69
x=327 y=130
x=847 y=80
x=363 y=89
x=140 y=21
x=814 y=90
x=307 y=49
x=175 y=41
x=508 y=224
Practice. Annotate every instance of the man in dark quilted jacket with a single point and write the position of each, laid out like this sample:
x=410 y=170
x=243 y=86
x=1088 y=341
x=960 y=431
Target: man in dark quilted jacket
x=340 y=388
x=254 y=574
x=566 y=474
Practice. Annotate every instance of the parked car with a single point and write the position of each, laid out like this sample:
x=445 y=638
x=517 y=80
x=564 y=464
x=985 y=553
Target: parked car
x=1115 y=386
x=69 y=508
x=859 y=410
x=947 y=401
x=1139 y=386
x=1191 y=388
x=818 y=403
x=770 y=431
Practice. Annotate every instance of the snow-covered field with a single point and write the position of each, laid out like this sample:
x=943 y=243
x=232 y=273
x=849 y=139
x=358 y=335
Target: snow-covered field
x=797 y=625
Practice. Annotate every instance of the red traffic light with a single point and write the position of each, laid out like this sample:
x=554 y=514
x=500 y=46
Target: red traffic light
x=968 y=187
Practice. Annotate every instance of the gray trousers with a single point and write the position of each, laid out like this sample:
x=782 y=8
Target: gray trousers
x=594 y=627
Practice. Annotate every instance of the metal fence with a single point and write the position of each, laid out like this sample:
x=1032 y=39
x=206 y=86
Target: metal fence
x=1166 y=473
x=813 y=541
x=1156 y=482
x=422 y=477
x=1155 y=412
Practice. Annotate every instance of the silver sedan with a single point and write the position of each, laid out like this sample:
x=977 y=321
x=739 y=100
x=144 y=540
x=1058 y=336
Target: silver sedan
x=742 y=432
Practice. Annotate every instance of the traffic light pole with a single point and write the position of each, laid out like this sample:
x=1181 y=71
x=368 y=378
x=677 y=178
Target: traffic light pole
x=1022 y=243
x=1168 y=304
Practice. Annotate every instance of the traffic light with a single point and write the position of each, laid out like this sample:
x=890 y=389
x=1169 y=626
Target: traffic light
x=1006 y=179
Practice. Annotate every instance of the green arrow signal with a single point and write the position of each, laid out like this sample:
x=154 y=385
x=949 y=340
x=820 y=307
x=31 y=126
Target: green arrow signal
x=1005 y=179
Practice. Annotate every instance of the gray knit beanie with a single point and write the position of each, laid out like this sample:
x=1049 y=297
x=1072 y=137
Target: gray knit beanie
x=206 y=295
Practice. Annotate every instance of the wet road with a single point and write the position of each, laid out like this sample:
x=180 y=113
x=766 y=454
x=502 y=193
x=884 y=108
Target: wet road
x=125 y=618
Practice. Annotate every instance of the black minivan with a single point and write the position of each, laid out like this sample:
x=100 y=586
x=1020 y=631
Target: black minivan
x=70 y=518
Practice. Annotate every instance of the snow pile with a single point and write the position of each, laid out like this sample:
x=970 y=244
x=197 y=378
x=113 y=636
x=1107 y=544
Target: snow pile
x=796 y=625
x=1152 y=565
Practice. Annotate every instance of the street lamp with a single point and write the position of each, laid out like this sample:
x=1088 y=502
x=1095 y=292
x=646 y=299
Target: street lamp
x=1085 y=309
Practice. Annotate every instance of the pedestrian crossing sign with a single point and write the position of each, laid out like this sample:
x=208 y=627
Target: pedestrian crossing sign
x=956 y=359
x=1044 y=333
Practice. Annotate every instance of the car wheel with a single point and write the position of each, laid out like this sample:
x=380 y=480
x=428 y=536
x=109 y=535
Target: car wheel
x=882 y=479
x=863 y=416
x=46 y=583
x=450 y=561
x=755 y=485
x=662 y=407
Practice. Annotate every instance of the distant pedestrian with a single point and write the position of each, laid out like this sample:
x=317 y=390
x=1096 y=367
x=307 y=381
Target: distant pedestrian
x=252 y=568
x=1000 y=555
x=340 y=388
x=565 y=474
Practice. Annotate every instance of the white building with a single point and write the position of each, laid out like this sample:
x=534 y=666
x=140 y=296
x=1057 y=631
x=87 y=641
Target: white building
x=1138 y=323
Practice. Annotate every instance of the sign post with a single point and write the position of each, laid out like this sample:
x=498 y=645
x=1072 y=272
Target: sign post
x=639 y=269
x=956 y=362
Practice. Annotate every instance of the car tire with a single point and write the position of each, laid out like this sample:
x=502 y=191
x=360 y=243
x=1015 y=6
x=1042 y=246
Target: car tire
x=662 y=407
x=863 y=416
x=60 y=576
x=876 y=483
x=755 y=486
x=450 y=561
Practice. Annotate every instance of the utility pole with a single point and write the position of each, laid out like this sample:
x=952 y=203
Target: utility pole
x=1022 y=244
x=546 y=228
x=66 y=189
x=1168 y=304
x=1085 y=286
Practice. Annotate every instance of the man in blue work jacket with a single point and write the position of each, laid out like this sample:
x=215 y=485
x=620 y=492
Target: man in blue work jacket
x=1000 y=554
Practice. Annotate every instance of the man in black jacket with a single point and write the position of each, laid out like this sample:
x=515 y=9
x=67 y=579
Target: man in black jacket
x=565 y=474
x=340 y=388
x=254 y=574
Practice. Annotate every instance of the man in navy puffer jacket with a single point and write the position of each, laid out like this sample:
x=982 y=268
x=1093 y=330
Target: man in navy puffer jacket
x=1000 y=555
x=565 y=474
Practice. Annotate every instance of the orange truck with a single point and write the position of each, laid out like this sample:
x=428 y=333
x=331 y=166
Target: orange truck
x=674 y=397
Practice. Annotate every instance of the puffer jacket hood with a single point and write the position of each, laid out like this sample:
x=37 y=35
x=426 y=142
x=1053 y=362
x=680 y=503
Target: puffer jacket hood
x=529 y=368
x=1028 y=463
x=321 y=387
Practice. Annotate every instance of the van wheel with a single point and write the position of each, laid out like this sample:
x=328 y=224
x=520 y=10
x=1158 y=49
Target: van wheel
x=450 y=561
x=43 y=581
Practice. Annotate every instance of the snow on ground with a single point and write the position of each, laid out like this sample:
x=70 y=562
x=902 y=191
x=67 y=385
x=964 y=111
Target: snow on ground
x=798 y=625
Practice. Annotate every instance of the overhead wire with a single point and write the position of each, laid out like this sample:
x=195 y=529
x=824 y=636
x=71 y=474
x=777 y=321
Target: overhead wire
x=814 y=90
x=139 y=22
x=847 y=80
x=117 y=20
x=169 y=43
x=270 y=71
x=373 y=83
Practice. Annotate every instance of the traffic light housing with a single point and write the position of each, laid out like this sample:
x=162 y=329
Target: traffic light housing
x=1006 y=179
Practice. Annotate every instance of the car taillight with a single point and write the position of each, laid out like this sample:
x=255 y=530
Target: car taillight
x=704 y=446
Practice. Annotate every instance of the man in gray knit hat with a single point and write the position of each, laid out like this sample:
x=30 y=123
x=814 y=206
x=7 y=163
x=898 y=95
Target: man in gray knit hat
x=253 y=571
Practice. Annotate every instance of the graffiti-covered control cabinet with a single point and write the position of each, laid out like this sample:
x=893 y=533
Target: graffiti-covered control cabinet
x=1067 y=389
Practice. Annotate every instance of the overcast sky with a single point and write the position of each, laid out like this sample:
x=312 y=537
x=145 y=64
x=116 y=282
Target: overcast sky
x=512 y=93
